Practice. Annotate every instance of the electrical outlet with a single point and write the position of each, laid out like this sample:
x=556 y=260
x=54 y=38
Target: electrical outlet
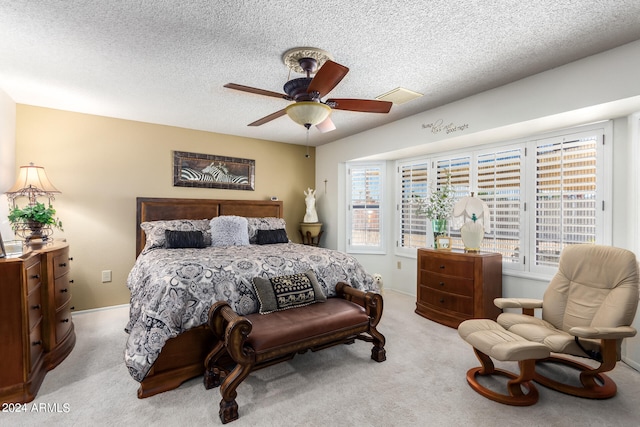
x=106 y=276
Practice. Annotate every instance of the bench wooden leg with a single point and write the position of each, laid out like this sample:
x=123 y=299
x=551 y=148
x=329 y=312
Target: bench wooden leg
x=378 y=353
x=228 y=405
x=228 y=411
x=212 y=373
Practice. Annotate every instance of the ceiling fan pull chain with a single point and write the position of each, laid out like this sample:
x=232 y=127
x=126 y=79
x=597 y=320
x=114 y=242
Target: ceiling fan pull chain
x=307 y=144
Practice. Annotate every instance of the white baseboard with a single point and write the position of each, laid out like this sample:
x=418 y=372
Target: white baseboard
x=93 y=310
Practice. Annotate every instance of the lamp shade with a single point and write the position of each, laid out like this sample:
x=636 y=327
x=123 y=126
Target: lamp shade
x=32 y=182
x=308 y=113
x=469 y=206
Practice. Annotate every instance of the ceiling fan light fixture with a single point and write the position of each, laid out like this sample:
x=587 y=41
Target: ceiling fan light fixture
x=308 y=113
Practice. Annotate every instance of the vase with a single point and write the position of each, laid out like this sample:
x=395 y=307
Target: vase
x=439 y=229
x=39 y=231
x=472 y=234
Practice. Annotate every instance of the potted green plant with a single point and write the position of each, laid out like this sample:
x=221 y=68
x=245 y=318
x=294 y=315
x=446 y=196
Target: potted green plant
x=36 y=218
x=437 y=207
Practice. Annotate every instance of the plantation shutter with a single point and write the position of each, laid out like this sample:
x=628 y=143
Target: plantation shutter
x=499 y=185
x=458 y=171
x=365 y=203
x=413 y=187
x=566 y=195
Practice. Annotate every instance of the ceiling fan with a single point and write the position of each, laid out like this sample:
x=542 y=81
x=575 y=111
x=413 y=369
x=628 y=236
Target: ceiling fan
x=308 y=108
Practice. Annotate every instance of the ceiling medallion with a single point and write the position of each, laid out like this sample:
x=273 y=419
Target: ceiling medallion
x=292 y=57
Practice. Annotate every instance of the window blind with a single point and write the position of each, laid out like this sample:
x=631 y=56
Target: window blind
x=414 y=186
x=364 y=206
x=499 y=186
x=565 y=196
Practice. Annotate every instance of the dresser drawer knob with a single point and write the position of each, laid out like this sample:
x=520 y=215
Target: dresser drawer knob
x=64 y=264
x=62 y=291
x=442 y=266
x=441 y=299
x=35 y=307
x=70 y=258
x=73 y=307
x=35 y=276
x=64 y=321
x=71 y=281
x=441 y=283
x=37 y=342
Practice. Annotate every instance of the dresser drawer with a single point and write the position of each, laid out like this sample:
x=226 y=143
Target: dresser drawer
x=61 y=263
x=447 y=302
x=35 y=344
x=450 y=284
x=34 y=307
x=62 y=291
x=63 y=323
x=448 y=266
x=33 y=276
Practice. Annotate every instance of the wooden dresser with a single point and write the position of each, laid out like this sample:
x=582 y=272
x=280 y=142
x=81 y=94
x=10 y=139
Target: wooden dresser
x=454 y=286
x=36 y=329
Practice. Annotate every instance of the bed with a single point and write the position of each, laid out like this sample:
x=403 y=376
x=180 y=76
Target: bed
x=173 y=289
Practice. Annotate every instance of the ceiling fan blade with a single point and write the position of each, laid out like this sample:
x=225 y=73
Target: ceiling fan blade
x=256 y=90
x=362 y=105
x=327 y=77
x=268 y=118
x=326 y=125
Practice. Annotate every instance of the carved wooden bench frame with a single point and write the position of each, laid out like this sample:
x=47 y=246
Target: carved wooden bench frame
x=232 y=360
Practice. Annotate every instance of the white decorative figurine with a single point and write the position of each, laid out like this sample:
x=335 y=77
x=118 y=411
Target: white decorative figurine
x=310 y=199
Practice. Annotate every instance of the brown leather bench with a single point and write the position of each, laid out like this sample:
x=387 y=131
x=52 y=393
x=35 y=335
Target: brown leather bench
x=259 y=340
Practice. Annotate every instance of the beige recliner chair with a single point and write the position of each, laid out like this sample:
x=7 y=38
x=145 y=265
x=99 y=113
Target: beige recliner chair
x=587 y=311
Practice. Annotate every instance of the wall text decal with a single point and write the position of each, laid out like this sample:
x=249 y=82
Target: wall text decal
x=439 y=126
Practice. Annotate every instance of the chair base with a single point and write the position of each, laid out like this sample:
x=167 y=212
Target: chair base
x=516 y=396
x=595 y=385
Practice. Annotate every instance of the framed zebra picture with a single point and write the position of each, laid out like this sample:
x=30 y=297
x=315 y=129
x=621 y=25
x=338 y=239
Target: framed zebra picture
x=209 y=171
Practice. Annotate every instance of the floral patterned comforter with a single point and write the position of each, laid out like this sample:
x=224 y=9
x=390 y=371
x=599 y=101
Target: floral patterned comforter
x=173 y=289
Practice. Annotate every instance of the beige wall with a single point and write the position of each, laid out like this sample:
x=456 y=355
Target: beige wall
x=102 y=164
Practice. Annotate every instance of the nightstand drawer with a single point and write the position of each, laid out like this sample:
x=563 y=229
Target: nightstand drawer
x=455 y=285
x=447 y=302
x=36 y=346
x=62 y=291
x=450 y=267
x=63 y=323
x=34 y=307
x=61 y=263
x=33 y=276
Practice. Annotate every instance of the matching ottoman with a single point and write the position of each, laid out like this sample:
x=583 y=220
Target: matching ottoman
x=490 y=340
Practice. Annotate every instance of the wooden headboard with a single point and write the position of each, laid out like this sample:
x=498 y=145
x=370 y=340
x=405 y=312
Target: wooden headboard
x=154 y=209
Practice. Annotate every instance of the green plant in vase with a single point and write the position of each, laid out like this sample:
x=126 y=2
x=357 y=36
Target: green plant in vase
x=36 y=218
x=437 y=207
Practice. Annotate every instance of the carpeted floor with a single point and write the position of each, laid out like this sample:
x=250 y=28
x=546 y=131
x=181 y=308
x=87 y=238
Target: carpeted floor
x=422 y=383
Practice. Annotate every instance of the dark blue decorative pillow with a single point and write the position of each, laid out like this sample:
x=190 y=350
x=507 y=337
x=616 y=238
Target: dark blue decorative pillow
x=184 y=239
x=269 y=237
x=284 y=292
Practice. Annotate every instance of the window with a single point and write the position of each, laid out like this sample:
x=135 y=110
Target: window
x=365 y=199
x=567 y=208
x=542 y=194
x=499 y=185
x=414 y=184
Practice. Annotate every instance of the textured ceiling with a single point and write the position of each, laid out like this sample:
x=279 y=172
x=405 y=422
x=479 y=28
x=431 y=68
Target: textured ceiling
x=166 y=61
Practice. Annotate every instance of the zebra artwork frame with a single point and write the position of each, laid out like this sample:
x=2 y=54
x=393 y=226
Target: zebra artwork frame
x=211 y=171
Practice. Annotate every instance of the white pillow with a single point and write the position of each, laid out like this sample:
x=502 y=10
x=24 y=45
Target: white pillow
x=229 y=230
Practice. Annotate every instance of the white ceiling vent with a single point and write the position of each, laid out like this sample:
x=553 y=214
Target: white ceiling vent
x=399 y=95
